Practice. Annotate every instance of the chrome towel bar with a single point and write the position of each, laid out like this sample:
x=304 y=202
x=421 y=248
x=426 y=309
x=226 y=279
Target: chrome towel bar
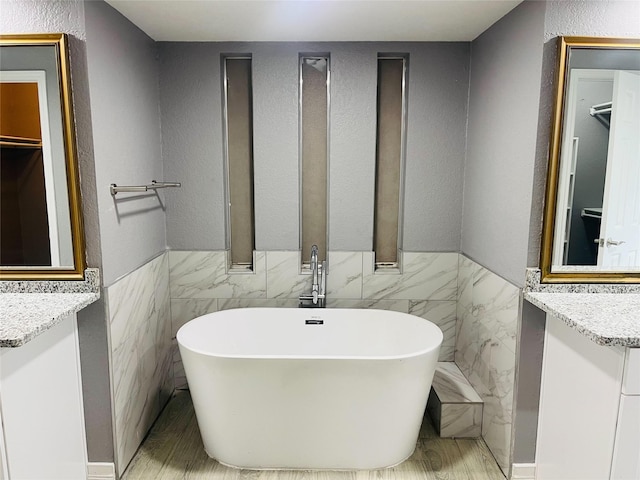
x=114 y=189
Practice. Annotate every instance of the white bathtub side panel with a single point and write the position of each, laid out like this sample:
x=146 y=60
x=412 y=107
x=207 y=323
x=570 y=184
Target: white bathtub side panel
x=309 y=414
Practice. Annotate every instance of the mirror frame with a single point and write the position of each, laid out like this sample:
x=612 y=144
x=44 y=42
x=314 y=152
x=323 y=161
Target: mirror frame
x=60 y=42
x=565 y=44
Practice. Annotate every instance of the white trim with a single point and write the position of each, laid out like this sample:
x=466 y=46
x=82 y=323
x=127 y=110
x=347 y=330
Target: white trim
x=523 y=471
x=101 y=471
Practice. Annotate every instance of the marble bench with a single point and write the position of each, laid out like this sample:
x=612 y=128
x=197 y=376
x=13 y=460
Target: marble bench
x=454 y=406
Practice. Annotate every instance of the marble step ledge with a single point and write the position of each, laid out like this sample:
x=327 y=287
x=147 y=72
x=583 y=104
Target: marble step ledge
x=454 y=406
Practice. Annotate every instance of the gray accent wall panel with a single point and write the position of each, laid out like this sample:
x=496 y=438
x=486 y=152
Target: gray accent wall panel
x=275 y=140
x=123 y=81
x=575 y=18
x=192 y=143
x=352 y=145
x=437 y=116
x=191 y=102
x=506 y=63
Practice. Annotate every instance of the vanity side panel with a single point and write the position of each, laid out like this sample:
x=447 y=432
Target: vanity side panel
x=579 y=402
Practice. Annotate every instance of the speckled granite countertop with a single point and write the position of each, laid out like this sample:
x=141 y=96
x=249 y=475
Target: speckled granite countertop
x=605 y=318
x=28 y=308
x=24 y=316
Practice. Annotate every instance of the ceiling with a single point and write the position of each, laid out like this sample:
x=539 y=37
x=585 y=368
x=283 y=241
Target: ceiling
x=313 y=20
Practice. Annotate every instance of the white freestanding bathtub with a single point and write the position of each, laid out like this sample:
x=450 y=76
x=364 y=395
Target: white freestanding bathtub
x=280 y=388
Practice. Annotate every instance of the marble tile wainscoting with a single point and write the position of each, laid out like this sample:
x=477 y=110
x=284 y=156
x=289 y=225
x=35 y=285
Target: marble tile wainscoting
x=200 y=284
x=485 y=349
x=140 y=323
x=476 y=309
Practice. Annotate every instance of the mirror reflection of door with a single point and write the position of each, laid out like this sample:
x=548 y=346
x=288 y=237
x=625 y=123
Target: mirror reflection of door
x=25 y=227
x=600 y=171
x=619 y=241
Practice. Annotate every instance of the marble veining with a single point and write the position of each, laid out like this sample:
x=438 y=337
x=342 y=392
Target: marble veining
x=431 y=276
x=195 y=274
x=24 y=316
x=345 y=275
x=451 y=385
x=90 y=284
x=443 y=314
x=284 y=278
x=604 y=318
x=459 y=420
x=142 y=356
x=487 y=312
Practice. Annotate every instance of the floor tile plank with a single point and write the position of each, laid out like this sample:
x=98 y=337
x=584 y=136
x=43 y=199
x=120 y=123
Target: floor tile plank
x=173 y=451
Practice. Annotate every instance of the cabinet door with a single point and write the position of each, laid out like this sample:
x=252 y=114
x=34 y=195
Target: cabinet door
x=579 y=400
x=3 y=454
x=626 y=455
x=42 y=409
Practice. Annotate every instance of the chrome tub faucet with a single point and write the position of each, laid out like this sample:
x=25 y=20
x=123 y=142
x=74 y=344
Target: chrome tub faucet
x=316 y=298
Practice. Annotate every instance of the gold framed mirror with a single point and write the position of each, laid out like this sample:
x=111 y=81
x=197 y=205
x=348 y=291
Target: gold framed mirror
x=591 y=231
x=41 y=230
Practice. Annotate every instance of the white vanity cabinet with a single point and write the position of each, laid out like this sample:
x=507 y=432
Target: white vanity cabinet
x=3 y=455
x=626 y=453
x=589 y=418
x=41 y=406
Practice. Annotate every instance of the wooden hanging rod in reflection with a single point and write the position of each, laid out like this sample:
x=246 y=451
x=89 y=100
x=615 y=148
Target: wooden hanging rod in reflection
x=20 y=142
x=115 y=189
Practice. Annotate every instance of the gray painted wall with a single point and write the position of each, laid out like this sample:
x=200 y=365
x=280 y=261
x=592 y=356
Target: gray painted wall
x=568 y=18
x=605 y=18
x=503 y=109
x=193 y=152
x=123 y=79
x=527 y=396
x=21 y=16
x=55 y=16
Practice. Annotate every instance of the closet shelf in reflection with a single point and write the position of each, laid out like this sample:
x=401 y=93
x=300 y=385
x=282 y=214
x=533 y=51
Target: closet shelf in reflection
x=115 y=189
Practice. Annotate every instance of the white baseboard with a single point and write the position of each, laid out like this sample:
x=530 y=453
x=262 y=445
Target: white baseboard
x=101 y=471
x=523 y=471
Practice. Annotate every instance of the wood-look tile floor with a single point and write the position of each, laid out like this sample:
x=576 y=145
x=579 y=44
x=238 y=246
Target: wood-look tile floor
x=173 y=450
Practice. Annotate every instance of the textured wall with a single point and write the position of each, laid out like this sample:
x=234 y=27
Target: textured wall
x=123 y=78
x=193 y=153
x=569 y=18
x=604 y=18
x=54 y=16
x=503 y=110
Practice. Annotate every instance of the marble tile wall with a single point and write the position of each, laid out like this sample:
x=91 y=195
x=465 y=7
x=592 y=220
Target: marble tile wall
x=427 y=287
x=485 y=347
x=140 y=323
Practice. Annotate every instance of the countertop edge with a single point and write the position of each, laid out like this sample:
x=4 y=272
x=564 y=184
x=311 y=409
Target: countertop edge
x=24 y=328
x=589 y=332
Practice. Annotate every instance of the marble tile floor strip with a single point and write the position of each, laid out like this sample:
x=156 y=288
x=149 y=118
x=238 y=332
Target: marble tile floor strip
x=173 y=450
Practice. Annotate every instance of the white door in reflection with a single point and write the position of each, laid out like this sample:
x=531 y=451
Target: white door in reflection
x=620 y=228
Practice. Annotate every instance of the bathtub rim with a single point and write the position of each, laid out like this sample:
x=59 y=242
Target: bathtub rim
x=405 y=356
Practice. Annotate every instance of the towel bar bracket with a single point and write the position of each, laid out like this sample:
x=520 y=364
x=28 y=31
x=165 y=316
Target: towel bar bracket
x=115 y=189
